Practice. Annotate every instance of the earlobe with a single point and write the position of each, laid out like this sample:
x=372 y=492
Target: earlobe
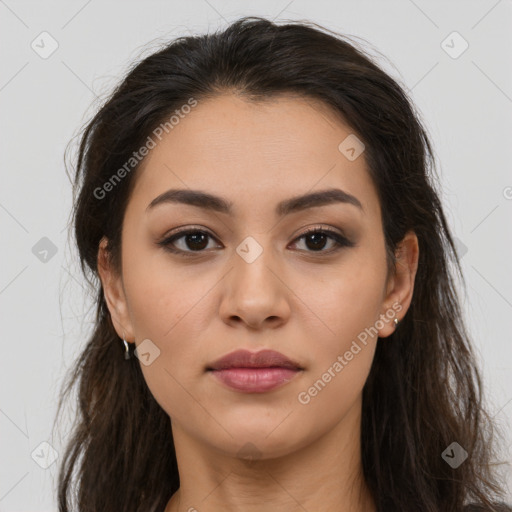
x=113 y=293
x=400 y=286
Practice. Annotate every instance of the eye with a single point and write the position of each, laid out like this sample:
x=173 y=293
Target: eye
x=194 y=239
x=316 y=239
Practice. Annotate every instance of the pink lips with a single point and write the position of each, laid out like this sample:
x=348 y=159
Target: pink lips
x=257 y=372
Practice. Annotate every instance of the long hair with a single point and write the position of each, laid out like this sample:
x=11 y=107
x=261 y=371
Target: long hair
x=424 y=390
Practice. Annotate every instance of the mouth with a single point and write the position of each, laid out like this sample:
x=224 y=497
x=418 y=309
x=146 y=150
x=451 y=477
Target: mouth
x=251 y=372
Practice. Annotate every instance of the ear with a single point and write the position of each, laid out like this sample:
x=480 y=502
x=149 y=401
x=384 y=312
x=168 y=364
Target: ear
x=400 y=285
x=114 y=293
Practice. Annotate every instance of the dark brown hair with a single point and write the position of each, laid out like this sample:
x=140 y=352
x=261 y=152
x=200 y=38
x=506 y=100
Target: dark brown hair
x=424 y=389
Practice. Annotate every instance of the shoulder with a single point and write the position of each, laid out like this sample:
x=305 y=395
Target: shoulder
x=497 y=507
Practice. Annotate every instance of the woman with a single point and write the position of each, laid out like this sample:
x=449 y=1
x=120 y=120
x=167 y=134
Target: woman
x=277 y=323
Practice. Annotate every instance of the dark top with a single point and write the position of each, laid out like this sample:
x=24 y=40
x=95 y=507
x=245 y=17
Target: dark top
x=498 y=507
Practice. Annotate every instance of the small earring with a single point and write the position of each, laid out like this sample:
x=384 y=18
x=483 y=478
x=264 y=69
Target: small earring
x=396 y=322
x=126 y=349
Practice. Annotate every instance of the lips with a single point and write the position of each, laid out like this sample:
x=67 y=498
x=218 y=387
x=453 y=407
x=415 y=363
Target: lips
x=254 y=372
x=246 y=359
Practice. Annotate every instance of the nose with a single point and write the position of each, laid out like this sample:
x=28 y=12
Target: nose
x=255 y=293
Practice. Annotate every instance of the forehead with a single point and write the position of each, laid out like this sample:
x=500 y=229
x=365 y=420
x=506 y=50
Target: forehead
x=255 y=153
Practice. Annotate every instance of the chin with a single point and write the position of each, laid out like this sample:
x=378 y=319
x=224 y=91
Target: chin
x=260 y=440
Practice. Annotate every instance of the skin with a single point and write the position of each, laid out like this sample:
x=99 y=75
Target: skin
x=308 y=304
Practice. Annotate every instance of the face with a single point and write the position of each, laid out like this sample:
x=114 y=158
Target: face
x=252 y=278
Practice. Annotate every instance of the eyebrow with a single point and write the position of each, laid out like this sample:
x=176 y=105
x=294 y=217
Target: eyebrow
x=209 y=201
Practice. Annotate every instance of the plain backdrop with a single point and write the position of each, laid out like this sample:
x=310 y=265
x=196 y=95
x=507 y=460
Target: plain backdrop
x=464 y=96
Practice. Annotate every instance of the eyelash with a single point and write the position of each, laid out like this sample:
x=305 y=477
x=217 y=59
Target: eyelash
x=340 y=240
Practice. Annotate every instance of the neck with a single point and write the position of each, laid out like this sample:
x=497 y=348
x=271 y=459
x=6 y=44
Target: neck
x=324 y=475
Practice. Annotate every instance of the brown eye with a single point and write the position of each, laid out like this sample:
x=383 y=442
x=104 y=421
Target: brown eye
x=191 y=240
x=196 y=241
x=316 y=239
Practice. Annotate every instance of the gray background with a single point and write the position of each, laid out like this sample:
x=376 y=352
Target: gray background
x=466 y=103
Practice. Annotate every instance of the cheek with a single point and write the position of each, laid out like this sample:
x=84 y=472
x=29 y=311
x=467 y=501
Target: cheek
x=161 y=294
x=348 y=304
x=343 y=355
x=169 y=307
x=347 y=300
x=168 y=317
